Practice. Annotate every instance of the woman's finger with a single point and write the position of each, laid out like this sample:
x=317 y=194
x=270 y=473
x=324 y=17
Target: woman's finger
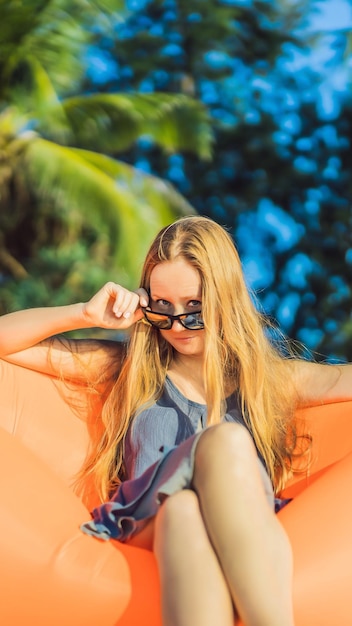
x=143 y=296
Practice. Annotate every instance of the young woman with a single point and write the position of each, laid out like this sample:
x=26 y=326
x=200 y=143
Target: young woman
x=197 y=431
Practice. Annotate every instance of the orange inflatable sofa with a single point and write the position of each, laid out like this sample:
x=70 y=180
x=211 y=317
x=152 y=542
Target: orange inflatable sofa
x=51 y=574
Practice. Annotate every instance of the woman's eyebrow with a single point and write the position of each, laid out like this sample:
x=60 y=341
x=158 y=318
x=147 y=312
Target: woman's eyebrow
x=183 y=299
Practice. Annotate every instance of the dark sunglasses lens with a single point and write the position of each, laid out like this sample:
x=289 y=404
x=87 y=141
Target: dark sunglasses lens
x=158 y=320
x=193 y=322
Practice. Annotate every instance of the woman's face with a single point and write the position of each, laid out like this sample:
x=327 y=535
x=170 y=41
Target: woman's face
x=175 y=287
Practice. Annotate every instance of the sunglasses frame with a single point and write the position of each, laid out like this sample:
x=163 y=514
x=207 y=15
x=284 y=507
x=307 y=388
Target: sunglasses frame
x=171 y=318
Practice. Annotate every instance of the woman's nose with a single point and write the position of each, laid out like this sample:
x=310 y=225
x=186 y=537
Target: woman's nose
x=177 y=326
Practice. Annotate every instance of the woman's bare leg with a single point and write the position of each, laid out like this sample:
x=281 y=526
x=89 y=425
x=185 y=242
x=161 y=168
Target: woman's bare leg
x=194 y=591
x=250 y=542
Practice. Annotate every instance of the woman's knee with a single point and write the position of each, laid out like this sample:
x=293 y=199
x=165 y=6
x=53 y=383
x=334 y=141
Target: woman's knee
x=225 y=450
x=227 y=440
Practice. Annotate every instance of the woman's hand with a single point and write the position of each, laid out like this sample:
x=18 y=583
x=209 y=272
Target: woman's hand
x=115 y=307
x=23 y=334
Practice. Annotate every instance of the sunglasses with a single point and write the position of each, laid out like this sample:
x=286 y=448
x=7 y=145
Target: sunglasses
x=163 y=321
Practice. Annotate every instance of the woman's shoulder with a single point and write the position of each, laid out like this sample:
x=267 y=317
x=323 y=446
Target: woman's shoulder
x=319 y=382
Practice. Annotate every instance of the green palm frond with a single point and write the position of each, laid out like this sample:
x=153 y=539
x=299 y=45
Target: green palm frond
x=105 y=121
x=154 y=191
x=53 y=32
x=113 y=122
x=41 y=103
x=18 y=19
x=83 y=191
x=35 y=93
x=179 y=123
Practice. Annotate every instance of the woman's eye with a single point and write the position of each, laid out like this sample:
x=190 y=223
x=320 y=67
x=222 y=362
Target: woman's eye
x=195 y=304
x=163 y=303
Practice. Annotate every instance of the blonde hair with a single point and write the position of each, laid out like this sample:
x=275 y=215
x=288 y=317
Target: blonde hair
x=238 y=354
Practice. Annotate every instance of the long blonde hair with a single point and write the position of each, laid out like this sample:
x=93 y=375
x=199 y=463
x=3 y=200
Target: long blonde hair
x=238 y=353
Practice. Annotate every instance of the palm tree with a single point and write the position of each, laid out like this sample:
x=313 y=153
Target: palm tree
x=71 y=213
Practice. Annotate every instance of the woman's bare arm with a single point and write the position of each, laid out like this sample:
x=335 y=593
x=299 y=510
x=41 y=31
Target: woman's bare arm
x=31 y=337
x=321 y=382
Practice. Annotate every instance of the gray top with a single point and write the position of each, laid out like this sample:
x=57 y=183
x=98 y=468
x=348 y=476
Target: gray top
x=168 y=422
x=159 y=457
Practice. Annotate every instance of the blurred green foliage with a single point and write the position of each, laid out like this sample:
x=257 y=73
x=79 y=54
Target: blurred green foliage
x=71 y=214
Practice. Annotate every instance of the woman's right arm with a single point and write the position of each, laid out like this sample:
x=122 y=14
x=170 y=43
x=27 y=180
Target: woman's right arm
x=29 y=337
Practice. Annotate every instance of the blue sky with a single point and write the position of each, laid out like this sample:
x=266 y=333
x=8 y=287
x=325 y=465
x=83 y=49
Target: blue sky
x=331 y=15
x=330 y=19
